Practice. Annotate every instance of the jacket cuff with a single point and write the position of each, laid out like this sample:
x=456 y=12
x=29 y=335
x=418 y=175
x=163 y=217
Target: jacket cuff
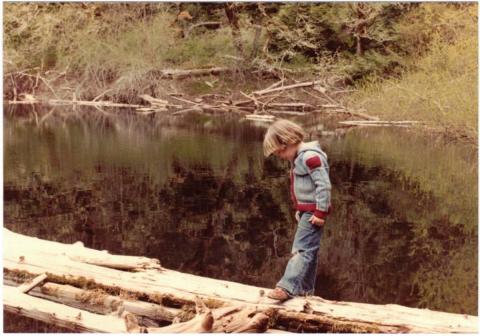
x=320 y=214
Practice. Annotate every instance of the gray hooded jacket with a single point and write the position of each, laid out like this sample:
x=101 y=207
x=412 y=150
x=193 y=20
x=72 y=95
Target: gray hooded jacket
x=309 y=180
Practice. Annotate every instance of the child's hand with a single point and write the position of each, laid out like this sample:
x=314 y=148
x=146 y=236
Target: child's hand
x=316 y=221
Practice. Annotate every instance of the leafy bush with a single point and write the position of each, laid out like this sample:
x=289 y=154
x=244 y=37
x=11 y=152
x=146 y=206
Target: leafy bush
x=440 y=87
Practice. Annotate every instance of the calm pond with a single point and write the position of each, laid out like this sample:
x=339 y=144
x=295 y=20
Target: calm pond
x=196 y=193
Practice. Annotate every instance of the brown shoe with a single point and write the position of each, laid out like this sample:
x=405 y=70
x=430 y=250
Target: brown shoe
x=279 y=294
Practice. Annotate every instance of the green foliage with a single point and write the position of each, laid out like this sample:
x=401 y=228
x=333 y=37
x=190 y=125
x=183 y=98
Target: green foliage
x=440 y=88
x=326 y=29
x=389 y=34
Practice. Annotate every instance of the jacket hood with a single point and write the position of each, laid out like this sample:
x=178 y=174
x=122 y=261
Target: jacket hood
x=312 y=145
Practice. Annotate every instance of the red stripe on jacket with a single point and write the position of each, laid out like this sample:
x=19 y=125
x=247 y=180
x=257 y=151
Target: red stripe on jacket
x=314 y=162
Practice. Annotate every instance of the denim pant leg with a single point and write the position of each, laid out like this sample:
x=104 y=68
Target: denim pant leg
x=301 y=267
x=308 y=285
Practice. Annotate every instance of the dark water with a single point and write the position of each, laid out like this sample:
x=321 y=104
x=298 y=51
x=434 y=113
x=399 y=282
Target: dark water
x=196 y=193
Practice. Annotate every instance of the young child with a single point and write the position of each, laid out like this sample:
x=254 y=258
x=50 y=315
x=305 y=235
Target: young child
x=310 y=191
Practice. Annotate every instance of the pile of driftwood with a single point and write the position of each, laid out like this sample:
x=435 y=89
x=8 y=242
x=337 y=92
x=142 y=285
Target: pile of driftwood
x=83 y=289
x=261 y=104
x=284 y=98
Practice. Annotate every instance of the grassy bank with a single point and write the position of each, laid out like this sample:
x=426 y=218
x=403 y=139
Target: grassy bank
x=87 y=49
x=412 y=61
x=438 y=87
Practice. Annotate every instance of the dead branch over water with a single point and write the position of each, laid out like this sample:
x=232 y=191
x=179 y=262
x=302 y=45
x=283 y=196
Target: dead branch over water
x=88 y=290
x=263 y=104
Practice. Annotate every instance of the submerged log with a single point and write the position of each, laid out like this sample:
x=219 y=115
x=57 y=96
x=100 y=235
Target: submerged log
x=27 y=256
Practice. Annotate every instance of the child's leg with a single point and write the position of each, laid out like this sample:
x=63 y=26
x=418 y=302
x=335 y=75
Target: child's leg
x=304 y=256
x=311 y=275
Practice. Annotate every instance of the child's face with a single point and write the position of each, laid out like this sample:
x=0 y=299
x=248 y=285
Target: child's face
x=286 y=152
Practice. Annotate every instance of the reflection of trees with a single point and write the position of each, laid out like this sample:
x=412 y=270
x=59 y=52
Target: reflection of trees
x=209 y=223
x=387 y=242
x=397 y=233
x=199 y=221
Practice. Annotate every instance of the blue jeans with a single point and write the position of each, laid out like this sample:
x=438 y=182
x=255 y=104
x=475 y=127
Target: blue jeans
x=300 y=274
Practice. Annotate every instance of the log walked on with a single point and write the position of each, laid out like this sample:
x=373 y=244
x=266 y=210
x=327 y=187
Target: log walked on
x=130 y=290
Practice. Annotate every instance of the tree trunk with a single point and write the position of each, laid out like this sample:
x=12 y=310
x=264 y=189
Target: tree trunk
x=231 y=12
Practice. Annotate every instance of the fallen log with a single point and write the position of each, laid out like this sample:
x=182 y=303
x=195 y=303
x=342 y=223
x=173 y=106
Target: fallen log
x=377 y=123
x=294 y=106
x=179 y=73
x=383 y=122
x=25 y=255
x=230 y=319
x=29 y=285
x=97 y=301
x=284 y=112
x=72 y=102
x=58 y=314
x=283 y=88
x=260 y=117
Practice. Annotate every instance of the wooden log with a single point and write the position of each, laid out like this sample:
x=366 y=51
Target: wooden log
x=293 y=106
x=260 y=117
x=283 y=88
x=230 y=319
x=378 y=122
x=223 y=320
x=154 y=101
x=77 y=252
x=179 y=73
x=27 y=286
x=240 y=320
x=296 y=113
x=243 y=102
x=100 y=302
x=88 y=103
x=177 y=289
x=201 y=323
x=53 y=313
x=72 y=102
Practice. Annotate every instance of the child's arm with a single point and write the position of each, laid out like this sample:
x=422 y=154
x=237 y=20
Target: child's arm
x=316 y=168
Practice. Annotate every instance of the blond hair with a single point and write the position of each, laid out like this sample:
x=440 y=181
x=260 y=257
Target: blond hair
x=280 y=133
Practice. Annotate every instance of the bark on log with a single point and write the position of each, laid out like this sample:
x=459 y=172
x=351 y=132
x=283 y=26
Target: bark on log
x=174 y=289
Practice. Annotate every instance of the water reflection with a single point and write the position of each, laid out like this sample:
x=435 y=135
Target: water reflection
x=196 y=193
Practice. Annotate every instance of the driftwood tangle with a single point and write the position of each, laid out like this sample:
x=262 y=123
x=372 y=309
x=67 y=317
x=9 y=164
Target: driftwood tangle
x=274 y=100
x=94 y=291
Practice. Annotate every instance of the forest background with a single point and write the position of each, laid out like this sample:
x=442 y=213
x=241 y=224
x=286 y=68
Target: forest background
x=415 y=61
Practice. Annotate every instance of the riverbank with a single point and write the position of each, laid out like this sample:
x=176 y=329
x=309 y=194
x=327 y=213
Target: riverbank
x=117 y=53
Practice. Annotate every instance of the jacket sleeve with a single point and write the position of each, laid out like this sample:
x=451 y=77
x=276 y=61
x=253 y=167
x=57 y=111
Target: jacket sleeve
x=317 y=168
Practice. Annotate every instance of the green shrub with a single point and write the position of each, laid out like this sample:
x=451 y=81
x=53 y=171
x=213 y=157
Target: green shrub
x=440 y=88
